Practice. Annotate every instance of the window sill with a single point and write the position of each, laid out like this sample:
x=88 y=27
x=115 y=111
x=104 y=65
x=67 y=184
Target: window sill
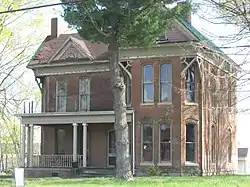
x=146 y=164
x=164 y=103
x=164 y=164
x=147 y=104
x=191 y=104
x=191 y=164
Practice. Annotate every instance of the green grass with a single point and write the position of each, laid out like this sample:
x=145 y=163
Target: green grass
x=215 y=181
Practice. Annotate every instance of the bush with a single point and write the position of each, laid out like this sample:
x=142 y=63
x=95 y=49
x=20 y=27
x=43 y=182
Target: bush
x=154 y=171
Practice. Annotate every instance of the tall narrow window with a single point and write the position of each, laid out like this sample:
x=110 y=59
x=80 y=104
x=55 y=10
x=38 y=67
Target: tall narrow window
x=229 y=94
x=165 y=143
x=190 y=84
x=148 y=84
x=213 y=135
x=128 y=91
x=61 y=95
x=147 y=143
x=84 y=94
x=213 y=96
x=230 y=146
x=60 y=143
x=166 y=82
x=190 y=143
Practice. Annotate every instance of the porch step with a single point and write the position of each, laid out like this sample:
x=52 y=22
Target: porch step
x=96 y=172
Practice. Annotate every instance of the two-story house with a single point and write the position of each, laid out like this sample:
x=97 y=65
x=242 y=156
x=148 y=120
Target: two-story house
x=178 y=118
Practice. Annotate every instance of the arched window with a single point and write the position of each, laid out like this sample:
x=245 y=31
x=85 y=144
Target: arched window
x=190 y=143
x=230 y=146
x=213 y=135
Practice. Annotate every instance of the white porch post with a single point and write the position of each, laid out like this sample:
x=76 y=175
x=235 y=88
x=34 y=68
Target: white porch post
x=22 y=156
x=28 y=145
x=74 y=142
x=84 y=144
x=31 y=145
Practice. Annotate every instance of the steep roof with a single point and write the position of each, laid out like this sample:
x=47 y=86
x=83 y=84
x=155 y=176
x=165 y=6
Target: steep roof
x=51 y=45
x=242 y=152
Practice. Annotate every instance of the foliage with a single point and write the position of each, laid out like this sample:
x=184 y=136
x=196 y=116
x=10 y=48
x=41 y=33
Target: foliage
x=154 y=171
x=133 y=22
x=221 y=181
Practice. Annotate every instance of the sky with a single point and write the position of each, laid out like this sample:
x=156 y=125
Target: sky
x=207 y=28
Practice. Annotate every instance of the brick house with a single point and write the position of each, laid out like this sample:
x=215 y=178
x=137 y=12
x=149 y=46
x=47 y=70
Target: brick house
x=178 y=118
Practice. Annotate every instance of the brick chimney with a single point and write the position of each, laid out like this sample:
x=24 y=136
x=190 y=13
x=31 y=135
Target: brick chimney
x=54 y=28
x=187 y=16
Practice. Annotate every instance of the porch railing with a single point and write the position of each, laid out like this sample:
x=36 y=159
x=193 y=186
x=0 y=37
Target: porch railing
x=55 y=161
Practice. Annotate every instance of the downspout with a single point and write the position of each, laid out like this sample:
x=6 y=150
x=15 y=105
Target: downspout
x=133 y=134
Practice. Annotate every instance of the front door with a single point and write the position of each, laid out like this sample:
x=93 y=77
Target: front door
x=111 y=157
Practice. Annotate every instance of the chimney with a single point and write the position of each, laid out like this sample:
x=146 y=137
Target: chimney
x=53 y=27
x=188 y=8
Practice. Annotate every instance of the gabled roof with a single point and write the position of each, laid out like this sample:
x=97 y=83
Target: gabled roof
x=242 y=152
x=50 y=46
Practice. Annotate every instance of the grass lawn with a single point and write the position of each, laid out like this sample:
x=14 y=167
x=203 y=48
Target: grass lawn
x=214 y=181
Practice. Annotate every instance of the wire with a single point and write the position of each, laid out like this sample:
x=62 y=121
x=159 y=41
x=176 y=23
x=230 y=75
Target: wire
x=36 y=7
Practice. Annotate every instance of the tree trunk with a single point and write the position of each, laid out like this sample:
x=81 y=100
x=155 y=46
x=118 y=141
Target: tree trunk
x=123 y=162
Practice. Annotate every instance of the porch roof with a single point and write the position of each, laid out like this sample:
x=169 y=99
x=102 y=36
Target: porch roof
x=46 y=118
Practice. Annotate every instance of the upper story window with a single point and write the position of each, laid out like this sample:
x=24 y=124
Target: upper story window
x=61 y=95
x=229 y=94
x=190 y=143
x=165 y=82
x=213 y=96
x=84 y=94
x=128 y=91
x=148 y=84
x=190 y=84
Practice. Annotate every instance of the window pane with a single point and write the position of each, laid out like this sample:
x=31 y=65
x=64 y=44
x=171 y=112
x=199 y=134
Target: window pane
x=61 y=103
x=165 y=151
x=165 y=133
x=165 y=144
x=84 y=86
x=147 y=133
x=166 y=92
x=147 y=144
x=190 y=84
x=166 y=72
x=148 y=75
x=190 y=152
x=190 y=134
x=148 y=92
x=147 y=152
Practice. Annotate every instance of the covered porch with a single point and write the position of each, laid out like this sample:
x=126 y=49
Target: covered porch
x=72 y=139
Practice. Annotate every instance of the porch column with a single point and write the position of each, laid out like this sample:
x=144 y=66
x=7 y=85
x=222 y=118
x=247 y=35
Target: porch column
x=31 y=145
x=74 y=142
x=22 y=156
x=84 y=145
x=28 y=145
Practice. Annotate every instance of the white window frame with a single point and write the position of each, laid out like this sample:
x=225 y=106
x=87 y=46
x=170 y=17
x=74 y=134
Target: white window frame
x=84 y=93
x=168 y=82
x=142 y=143
x=170 y=142
x=147 y=82
x=63 y=109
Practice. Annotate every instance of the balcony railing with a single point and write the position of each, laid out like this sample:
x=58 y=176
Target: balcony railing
x=55 y=161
